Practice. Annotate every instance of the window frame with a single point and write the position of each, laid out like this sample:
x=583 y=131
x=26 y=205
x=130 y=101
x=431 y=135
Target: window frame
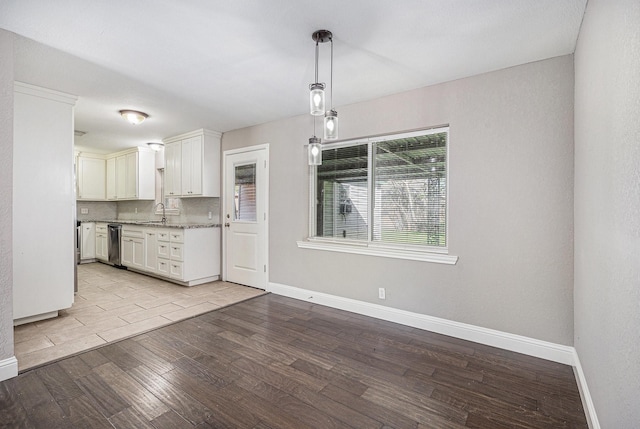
x=414 y=252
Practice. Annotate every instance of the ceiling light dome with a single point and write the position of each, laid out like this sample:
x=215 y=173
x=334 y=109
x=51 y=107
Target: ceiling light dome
x=156 y=146
x=133 y=116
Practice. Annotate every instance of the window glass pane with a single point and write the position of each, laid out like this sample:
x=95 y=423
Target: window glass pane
x=410 y=179
x=245 y=193
x=341 y=199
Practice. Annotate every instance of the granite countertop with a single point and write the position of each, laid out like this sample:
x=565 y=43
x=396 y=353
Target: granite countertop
x=156 y=224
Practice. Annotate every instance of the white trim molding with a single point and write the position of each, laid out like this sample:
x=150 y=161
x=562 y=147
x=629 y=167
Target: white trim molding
x=378 y=250
x=504 y=340
x=8 y=368
x=566 y=355
x=585 y=395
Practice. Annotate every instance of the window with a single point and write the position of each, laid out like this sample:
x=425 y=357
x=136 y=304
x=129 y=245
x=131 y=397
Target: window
x=385 y=196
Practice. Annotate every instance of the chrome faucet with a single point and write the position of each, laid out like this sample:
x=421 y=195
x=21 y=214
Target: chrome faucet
x=164 y=215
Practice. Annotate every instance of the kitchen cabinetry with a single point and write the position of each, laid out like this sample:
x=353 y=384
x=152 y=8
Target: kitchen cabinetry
x=173 y=169
x=132 y=247
x=44 y=253
x=90 y=176
x=187 y=256
x=130 y=175
x=88 y=241
x=151 y=250
x=102 y=242
x=192 y=164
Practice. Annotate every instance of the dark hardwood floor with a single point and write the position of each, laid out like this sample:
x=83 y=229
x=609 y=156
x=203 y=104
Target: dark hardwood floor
x=274 y=362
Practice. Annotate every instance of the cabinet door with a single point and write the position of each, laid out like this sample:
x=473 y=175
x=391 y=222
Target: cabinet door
x=91 y=178
x=88 y=248
x=131 y=175
x=101 y=246
x=172 y=169
x=151 y=251
x=112 y=192
x=127 y=251
x=192 y=166
x=121 y=177
x=138 y=253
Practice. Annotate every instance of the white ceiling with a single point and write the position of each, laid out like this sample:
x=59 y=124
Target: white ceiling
x=228 y=64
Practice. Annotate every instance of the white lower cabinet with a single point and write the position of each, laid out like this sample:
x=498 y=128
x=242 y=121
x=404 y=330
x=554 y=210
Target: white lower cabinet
x=189 y=256
x=132 y=247
x=151 y=250
x=88 y=243
x=102 y=242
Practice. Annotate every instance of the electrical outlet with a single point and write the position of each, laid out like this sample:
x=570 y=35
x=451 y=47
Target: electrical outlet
x=382 y=293
x=136 y=209
x=210 y=215
x=84 y=210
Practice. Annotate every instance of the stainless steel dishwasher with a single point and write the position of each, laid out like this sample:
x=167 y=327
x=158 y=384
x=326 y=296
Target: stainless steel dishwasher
x=113 y=246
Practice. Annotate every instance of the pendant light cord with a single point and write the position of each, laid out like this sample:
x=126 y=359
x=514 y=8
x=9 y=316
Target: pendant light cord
x=317 y=61
x=331 y=77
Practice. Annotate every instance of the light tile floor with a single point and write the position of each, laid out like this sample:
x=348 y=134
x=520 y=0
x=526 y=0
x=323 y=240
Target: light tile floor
x=113 y=304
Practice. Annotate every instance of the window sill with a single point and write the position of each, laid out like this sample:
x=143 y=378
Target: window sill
x=378 y=250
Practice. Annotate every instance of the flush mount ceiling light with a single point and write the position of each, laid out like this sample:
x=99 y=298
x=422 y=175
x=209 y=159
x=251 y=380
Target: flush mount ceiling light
x=156 y=146
x=133 y=116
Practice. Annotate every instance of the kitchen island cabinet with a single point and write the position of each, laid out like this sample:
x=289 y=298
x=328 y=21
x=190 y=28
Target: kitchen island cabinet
x=186 y=256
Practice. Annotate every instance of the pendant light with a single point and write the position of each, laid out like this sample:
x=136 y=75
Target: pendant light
x=315 y=151
x=331 y=117
x=317 y=103
x=316 y=89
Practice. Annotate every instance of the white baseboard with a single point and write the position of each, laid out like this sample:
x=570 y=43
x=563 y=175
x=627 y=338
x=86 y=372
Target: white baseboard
x=504 y=340
x=585 y=395
x=517 y=343
x=8 y=368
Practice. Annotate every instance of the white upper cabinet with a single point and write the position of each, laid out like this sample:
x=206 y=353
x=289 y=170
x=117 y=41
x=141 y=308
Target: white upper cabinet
x=192 y=164
x=131 y=175
x=91 y=177
x=173 y=169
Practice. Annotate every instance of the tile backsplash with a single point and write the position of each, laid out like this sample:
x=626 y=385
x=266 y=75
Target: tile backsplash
x=192 y=210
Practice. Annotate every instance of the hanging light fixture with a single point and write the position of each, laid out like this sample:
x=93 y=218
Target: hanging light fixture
x=331 y=117
x=316 y=89
x=315 y=151
x=317 y=103
x=133 y=116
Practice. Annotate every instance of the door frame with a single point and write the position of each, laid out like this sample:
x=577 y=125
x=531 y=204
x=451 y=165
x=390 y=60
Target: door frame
x=225 y=154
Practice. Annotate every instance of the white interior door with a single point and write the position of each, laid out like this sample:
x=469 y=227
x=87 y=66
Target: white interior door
x=244 y=216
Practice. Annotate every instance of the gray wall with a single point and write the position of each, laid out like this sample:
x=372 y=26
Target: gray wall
x=511 y=202
x=6 y=195
x=607 y=208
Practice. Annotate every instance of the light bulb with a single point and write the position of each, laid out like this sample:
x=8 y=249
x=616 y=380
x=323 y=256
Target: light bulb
x=331 y=125
x=316 y=99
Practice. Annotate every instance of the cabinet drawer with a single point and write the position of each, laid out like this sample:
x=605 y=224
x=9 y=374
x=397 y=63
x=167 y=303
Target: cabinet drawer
x=176 y=236
x=101 y=229
x=163 y=267
x=176 y=251
x=175 y=270
x=163 y=236
x=134 y=233
x=163 y=250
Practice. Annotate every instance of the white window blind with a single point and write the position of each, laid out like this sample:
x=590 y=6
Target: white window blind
x=388 y=190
